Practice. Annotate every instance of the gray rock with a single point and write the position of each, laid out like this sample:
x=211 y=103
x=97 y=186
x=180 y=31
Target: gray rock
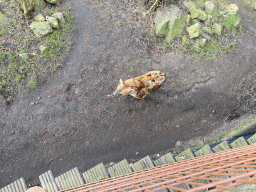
x=40 y=17
x=237 y=22
x=208 y=37
x=185 y=40
x=59 y=16
x=3 y=18
x=52 y=1
x=41 y=29
x=176 y=24
x=194 y=31
x=217 y=28
x=210 y=8
x=169 y=22
x=207 y=30
x=253 y=5
x=232 y=8
x=53 y=22
x=24 y=56
x=161 y=19
x=189 y=4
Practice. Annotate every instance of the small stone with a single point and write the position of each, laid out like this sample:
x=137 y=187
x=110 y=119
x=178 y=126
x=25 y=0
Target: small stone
x=38 y=98
x=189 y=4
x=3 y=18
x=201 y=42
x=43 y=48
x=194 y=12
x=207 y=30
x=24 y=56
x=194 y=31
x=237 y=22
x=40 y=17
x=41 y=29
x=53 y=22
x=202 y=15
x=232 y=9
x=210 y=8
x=111 y=163
x=253 y=5
x=206 y=36
x=185 y=41
x=188 y=17
x=178 y=144
x=52 y=1
x=217 y=28
x=208 y=20
x=59 y=16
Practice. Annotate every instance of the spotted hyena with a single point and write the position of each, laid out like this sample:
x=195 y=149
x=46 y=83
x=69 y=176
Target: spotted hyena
x=140 y=86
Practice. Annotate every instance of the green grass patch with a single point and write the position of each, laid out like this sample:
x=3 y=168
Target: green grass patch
x=16 y=37
x=229 y=134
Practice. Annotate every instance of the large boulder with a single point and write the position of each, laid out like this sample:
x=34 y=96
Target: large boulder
x=176 y=24
x=232 y=8
x=194 y=31
x=41 y=29
x=169 y=22
x=3 y=18
x=162 y=17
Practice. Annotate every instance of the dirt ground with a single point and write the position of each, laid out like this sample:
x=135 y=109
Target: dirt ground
x=69 y=121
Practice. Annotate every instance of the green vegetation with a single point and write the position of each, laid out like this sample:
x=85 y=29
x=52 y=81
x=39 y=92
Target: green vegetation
x=165 y=45
x=132 y=67
x=231 y=133
x=21 y=61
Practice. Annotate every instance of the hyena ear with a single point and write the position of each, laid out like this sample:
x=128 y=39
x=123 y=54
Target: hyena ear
x=121 y=81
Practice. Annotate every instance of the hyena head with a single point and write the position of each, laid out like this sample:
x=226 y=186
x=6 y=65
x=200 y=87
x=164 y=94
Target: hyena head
x=123 y=89
x=119 y=88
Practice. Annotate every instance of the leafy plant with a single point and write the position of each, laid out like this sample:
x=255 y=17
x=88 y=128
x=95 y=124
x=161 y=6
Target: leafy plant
x=165 y=45
x=33 y=82
x=132 y=67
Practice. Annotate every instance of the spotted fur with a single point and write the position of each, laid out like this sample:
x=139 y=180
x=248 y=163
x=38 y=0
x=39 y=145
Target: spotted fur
x=140 y=86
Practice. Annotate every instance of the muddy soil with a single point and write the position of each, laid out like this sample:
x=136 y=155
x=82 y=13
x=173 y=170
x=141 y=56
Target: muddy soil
x=69 y=121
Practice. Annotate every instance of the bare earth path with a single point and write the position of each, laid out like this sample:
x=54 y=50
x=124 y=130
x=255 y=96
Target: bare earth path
x=67 y=122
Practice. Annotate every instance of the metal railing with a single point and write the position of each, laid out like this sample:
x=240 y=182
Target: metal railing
x=217 y=171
